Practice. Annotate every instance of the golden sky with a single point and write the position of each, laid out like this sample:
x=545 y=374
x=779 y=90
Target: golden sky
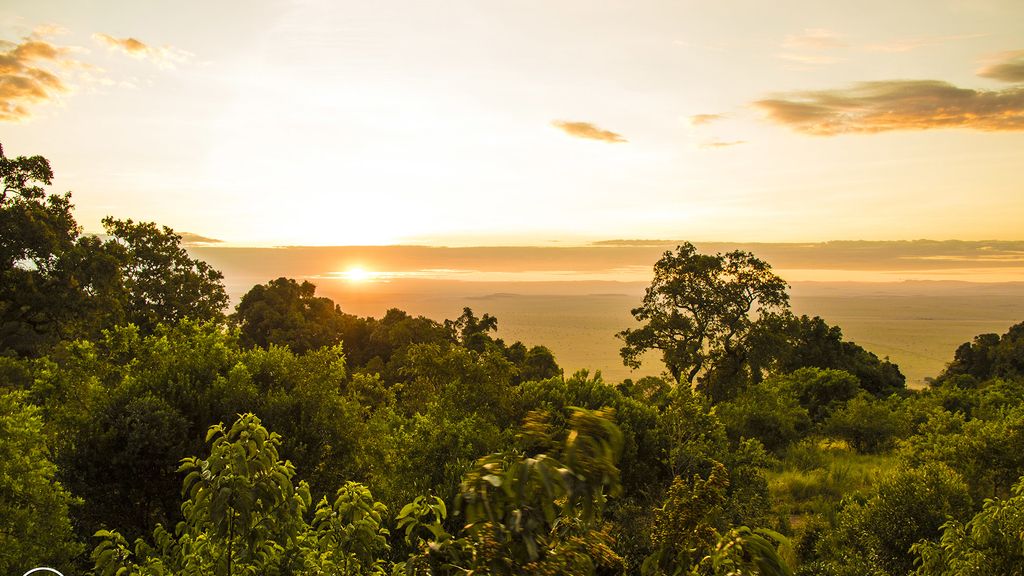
x=316 y=122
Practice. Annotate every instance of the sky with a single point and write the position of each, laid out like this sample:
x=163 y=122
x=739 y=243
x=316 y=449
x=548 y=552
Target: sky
x=602 y=267
x=478 y=122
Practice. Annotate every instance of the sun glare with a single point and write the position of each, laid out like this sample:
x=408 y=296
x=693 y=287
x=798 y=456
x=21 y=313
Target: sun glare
x=357 y=274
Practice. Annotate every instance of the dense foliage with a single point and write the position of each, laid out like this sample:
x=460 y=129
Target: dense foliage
x=144 y=432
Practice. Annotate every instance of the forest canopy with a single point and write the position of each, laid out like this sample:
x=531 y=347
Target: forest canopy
x=145 y=429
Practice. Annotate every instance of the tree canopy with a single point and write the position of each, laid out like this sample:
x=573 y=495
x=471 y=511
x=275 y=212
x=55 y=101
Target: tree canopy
x=700 y=312
x=58 y=284
x=287 y=313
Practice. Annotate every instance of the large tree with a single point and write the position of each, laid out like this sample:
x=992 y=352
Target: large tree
x=159 y=281
x=58 y=284
x=41 y=280
x=700 y=312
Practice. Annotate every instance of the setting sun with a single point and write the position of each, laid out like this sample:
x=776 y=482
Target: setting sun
x=357 y=274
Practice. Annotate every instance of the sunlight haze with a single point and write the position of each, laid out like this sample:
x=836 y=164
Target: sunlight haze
x=483 y=123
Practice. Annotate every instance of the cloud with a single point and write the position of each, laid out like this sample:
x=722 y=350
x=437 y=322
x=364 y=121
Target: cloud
x=130 y=46
x=49 y=30
x=164 y=56
x=701 y=119
x=809 y=58
x=722 y=143
x=1008 y=67
x=193 y=239
x=806 y=49
x=871 y=107
x=27 y=79
x=814 y=39
x=908 y=44
x=36 y=71
x=588 y=131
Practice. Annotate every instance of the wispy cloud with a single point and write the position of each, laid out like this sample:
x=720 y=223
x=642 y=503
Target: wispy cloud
x=871 y=107
x=588 y=131
x=28 y=75
x=818 y=46
x=701 y=119
x=814 y=39
x=808 y=48
x=1007 y=66
x=36 y=71
x=908 y=44
x=716 y=144
x=163 y=56
x=809 y=58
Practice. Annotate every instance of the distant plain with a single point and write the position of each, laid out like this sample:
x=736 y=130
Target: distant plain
x=924 y=299
x=917 y=326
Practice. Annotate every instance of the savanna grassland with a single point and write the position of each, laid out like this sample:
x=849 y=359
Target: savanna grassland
x=914 y=324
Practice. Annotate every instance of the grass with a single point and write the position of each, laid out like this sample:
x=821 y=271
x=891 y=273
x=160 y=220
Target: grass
x=815 y=475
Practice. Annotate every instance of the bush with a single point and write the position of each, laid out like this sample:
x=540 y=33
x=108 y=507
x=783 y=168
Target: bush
x=766 y=412
x=34 y=525
x=870 y=426
x=910 y=505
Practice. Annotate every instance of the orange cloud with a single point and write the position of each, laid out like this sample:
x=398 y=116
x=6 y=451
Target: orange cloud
x=25 y=81
x=588 y=131
x=1009 y=67
x=164 y=56
x=701 y=119
x=871 y=107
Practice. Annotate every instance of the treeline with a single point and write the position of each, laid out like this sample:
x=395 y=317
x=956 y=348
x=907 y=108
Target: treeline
x=146 y=431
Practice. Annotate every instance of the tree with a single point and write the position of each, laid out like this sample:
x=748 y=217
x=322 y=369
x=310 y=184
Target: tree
x=989 y=356
x=686 y=525
x=244 y=514
x=990 y=543
x=51 y=280
x=470 y=331
x=820 y=391
x=161 y=282
x=287 y=313
x=986 y=453
x=34 y=525
x=700 y=311
x=57 y=284
x=539 y=364
x=812 y=343
x=525 y=515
